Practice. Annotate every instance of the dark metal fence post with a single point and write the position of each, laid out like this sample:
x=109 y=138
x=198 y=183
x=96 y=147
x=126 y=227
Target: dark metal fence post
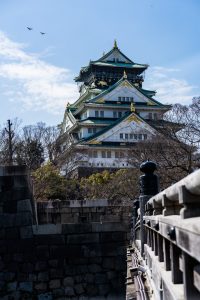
x=148 y=187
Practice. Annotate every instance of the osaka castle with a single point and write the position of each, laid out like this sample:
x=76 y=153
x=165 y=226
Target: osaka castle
x=111 y=115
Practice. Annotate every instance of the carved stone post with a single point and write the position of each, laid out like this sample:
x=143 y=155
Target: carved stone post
x=148 y=188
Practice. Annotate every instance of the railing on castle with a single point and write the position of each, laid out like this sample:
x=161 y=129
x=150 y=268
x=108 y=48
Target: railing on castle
x=169 y=240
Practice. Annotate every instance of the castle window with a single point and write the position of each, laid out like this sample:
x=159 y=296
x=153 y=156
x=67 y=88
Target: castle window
x=119 y=114
x=126 y=136
x=131 y=99
x=135 y=136
x=108 y=154
x=96 y=113
x=103 y=154
x=93 y=154
x=101 y=113
x=121 y=154
x=145 y=136
x=127 y=98
x=139 y=136
x=119 y=98
x=121 y=135
x=131 y=136
x=92 y=130
x=114 y=114
x=123 y=98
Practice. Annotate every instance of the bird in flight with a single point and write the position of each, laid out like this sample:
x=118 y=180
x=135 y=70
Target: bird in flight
x=29 y=28
x=42 y=32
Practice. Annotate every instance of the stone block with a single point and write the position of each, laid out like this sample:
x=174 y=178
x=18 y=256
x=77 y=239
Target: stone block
x=100 y=278
x=41 y=266
x=56 y=273
x=26 y=232
x=111 y=275
x=18 y=257
x=42 y=252
x=95 y=260
x=24 y=205
x=12 y=286
x=69 y=291
x=83 y=238
x=40 y=286
x=45 y=296
x=108 y=263
x=7 y=220
x=32 y=277
x=79 y=278
x=9 y=276
x=91 y=290
x=119 y=236
x=103 y=289
x=26 y=286
x=47 y=229
x=76 y=228
x=89 y=278
x=79 y=289
x=54 y=263
x=52 y=239
x=27 y=268
x=82 y=269
x=109 y=227
x=43 y=276
x=12 y=234
x=58 y=293
x=2 y=233
x=23 y=219
x=2 y=265
x=94 y=268
x=54 y=284
x=68 y=281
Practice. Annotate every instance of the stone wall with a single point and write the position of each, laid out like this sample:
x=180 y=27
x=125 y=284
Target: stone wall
x=56 y=261
x=86 y=211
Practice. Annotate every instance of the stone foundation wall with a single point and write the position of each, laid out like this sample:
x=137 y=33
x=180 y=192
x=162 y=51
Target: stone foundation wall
x=56 y=261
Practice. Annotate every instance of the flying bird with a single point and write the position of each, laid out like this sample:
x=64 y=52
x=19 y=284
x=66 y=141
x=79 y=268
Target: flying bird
x=42 y=32
x=29 y=28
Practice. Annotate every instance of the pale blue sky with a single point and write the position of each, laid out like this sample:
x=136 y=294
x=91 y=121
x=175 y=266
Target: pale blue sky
x=36 y=72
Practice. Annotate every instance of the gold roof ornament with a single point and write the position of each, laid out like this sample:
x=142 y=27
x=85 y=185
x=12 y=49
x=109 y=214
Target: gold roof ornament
x=115 y=44
x=125 y=75
x=132 y=107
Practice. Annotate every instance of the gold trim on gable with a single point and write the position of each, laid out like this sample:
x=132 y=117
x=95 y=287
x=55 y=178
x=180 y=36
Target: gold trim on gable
x=95 y=142
x=125 y=84
x=101 y=100
x=133 y=118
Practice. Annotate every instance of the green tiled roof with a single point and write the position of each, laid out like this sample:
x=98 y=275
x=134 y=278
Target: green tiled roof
x=119 y=64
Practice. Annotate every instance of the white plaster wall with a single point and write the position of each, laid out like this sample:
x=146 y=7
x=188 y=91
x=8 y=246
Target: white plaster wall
x=125 y=91
x=108 y=113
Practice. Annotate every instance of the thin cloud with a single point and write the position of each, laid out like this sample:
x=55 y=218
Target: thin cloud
x=169 y=89
x=35 y=84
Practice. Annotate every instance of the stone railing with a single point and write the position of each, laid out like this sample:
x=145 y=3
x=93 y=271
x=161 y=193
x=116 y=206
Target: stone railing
x=169 y=237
